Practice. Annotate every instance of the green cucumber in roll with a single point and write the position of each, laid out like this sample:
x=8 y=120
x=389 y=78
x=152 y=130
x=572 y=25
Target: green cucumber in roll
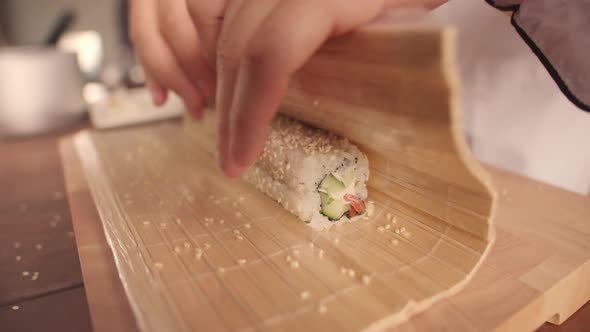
x=338 y=197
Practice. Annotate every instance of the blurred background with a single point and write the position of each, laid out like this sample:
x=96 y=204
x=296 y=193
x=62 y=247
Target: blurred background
x=28 y=22
x=64 y=61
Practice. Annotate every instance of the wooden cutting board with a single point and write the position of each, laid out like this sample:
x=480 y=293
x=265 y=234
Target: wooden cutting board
x=195 y=250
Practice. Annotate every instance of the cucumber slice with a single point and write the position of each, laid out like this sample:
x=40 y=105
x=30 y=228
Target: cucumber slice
x=331 y=184
x=331 y=208
x=335 y=210
x=349 y=176
x=326 y=199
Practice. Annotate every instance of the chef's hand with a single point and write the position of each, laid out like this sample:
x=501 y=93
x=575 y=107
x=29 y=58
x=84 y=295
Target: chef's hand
x=256 y=45
x=167 y=45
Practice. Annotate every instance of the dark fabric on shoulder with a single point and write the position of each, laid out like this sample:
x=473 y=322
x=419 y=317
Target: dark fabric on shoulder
x=558 y=32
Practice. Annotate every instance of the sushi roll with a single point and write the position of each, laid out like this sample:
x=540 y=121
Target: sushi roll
x=318 y=176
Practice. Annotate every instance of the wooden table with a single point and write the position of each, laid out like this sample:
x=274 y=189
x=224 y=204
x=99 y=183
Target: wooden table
x=34 y=210
x=39 y=267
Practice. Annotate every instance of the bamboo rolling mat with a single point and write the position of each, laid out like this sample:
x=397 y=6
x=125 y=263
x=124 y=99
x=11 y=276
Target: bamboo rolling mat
x=196 y=251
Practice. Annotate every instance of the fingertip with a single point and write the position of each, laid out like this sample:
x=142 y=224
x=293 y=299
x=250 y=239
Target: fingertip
x=242 y=158
x=195 y=110
x=159 y=94
x=232 y=170
x=196 y=114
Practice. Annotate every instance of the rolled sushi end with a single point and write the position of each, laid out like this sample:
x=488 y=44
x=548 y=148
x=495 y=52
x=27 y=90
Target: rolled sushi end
x=317 y=176
x=338 y=196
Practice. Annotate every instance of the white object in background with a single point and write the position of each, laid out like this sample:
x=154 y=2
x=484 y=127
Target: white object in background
x=40 y=91
x=515 y=115
x=130 y=107
x=88 y=47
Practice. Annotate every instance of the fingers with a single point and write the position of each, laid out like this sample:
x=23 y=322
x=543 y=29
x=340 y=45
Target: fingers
x=233 y=39
x=159 y=94
x=178 y=31
x=158 y=60
x=280 y=46
x=208 y=17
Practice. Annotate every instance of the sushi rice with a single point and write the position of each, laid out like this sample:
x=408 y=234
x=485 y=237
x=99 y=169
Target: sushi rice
x=317 y=176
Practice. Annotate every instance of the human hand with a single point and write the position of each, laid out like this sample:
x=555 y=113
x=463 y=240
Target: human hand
x=167 y=45
x=256 y=46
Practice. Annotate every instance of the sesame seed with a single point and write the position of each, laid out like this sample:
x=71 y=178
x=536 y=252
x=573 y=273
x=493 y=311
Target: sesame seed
x=394 y=220
x=394 y=242
x=304 y=295
x=187 y=245
x=18 y=258
x=238 y=214
x=322 y=309
x=221 y=221
x=17 y=245
x=370 y=208
x=242 y=261
x=158 y=265
x=294 y=264
x=15 y=307
x=247 y=225
x=406 y=234
x=239 y=237
x=241 y=198
x=288 y=258
x=336 y=240
x=388 y=226
x=321 y=253
x=177 y=250
x=163 y=224
x=351 y=273
x=343 y=270
x=381 y=229
x=25 y=273
x=295 y=252
x=178 y=221
x=206 y=245
x=311 y=245
x=389 y=216
x=220 y=269
x=236 y=231
x=145 y=222
x=366 y=279
x=39 y=246
x=198 y=253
